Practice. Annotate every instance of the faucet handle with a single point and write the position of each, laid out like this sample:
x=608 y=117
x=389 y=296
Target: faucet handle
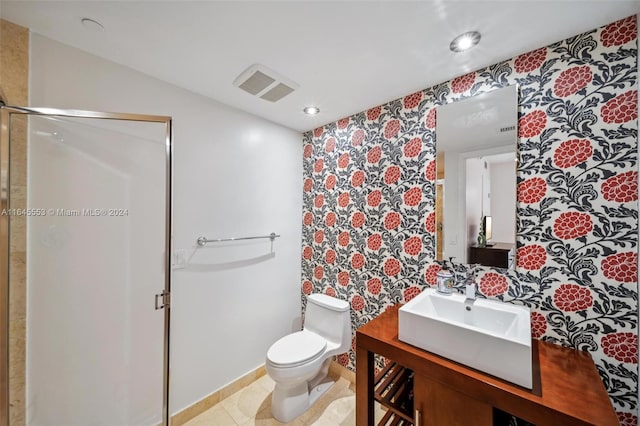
x=470 y=291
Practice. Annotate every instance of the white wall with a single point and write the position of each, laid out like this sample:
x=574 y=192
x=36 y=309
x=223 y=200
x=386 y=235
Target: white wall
x=235 y=175
x=503 y=200
x=474 y=193
x=453 y=213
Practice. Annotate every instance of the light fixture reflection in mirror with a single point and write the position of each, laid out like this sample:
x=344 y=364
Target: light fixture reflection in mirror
x=476 y=145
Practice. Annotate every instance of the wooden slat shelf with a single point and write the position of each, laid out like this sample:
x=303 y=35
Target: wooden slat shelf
x=394 y=390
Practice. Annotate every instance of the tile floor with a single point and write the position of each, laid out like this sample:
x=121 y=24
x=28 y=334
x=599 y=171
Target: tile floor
x=252 y=406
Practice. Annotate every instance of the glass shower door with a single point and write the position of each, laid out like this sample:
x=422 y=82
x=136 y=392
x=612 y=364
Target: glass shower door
x=88 y=237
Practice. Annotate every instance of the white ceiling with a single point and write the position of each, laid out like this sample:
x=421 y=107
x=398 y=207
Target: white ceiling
x=346 y=56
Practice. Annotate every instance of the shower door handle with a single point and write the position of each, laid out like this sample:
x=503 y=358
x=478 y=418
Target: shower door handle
x=165 y=296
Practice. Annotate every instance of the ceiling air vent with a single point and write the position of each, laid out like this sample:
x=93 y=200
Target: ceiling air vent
x=264 y=82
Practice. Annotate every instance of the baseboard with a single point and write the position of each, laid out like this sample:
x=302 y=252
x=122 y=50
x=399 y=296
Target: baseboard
x=209 y=401
x=336 y=371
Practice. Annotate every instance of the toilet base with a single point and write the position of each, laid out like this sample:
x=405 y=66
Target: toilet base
x=289 y=403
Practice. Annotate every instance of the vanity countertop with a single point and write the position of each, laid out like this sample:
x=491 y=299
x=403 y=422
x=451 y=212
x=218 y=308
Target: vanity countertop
x=567 y=388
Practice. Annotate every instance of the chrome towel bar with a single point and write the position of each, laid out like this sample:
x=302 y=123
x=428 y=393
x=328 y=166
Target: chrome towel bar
x=202 y=240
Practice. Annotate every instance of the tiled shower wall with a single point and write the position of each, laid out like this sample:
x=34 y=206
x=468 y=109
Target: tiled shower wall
x=368 y=213
x=14 y=82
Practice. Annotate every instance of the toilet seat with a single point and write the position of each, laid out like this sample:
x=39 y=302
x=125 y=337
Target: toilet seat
x=296 y=349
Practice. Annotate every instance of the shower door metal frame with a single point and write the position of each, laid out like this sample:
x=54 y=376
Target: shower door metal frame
x=5 y=134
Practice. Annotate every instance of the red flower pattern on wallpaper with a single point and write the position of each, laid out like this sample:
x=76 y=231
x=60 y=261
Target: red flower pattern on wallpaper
x=572 y=298
x=531 y=257
x=391 y=129
x=343 y=160
x=343 y=359
x=318 y=166
x=318 y=201
x=318 y=236
x=392 y=220
x=622 y=188
x=413 y=196
x=374 y=113
x=330 y=219
x=357 y=303
x=307 y=253
x=492 y=284
x=621 y=109
x=410 y=293
x=330 y=182
x=621 y=346
x=357 y=261
x=308 y=185
x=344 y=199
x=530 y=61
x=621 y=267
x=330 y=145
x=343 y=278
x=392 y=174
x=620 y=32
x=357 y=220
x=572 y=152
x=307 y=151
x=413 y=147
x=307 y=219
x=430 y=171
x=392 y=267
x=463 y=83
x=538 y=325
x=430 y=222
x=532 y=124
x=413 y=246
x=374 y=154
x=576 y=211
x=374 y=242
x=357 y=178
x=357 y=137
x=532 y=190
x=330 y=256
x=572 y=80
x=307 y=287
x=627 y=419
x=430 y=121
x=374 y=198
x=570 y=225
x=318 y=272
x=412 y=101
x=431 y=274
x=374 y=285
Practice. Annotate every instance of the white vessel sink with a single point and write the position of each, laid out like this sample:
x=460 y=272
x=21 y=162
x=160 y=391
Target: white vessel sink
x=490 y=336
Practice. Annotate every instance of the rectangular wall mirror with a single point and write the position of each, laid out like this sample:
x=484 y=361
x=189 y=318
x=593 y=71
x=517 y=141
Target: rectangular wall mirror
x=476 y=146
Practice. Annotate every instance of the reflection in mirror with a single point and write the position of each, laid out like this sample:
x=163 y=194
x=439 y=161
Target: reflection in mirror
x=476 y=142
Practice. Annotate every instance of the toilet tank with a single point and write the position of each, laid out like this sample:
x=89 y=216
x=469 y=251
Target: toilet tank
x=330 y=318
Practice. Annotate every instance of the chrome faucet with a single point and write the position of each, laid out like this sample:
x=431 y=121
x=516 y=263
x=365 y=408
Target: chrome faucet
x=470 y=286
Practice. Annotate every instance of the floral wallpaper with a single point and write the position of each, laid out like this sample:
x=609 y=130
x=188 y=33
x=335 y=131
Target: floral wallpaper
x=369 y=224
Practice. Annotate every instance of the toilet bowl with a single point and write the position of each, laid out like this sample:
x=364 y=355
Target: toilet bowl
x=299 y=362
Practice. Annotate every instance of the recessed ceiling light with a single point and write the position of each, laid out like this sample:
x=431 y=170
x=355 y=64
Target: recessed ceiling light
x=92 y=24
x=311 y=110
x=465 y=41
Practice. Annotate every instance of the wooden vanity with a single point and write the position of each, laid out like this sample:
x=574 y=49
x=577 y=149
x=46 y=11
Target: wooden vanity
x=567 y=389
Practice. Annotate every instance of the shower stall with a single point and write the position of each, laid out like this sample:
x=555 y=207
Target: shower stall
x=85 y=243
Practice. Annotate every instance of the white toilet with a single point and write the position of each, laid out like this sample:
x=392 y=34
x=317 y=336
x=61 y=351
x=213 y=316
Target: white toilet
x=299 y=362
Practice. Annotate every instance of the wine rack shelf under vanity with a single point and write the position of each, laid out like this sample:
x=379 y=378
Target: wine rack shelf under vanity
x=567 y=389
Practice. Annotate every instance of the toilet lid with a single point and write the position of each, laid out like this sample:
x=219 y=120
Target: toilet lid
x=296 y=348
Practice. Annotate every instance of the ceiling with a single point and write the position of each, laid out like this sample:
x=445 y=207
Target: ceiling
x=346 y=56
